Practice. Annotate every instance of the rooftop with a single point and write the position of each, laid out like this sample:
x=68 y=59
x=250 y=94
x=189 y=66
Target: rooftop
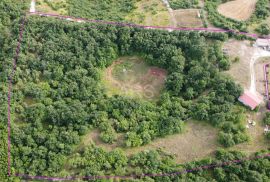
x=250 y=99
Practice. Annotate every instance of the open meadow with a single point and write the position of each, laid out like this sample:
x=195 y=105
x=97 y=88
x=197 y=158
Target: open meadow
x=131 y=76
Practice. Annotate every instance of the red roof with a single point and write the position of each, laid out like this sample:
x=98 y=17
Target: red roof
x=250 y=99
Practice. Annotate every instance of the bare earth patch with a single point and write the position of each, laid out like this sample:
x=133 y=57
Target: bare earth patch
x=188 y=18
x=198 y=141
x=131 y=76
x=239 y=10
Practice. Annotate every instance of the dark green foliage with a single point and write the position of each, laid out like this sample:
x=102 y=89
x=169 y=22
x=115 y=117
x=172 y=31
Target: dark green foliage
x=183 y=4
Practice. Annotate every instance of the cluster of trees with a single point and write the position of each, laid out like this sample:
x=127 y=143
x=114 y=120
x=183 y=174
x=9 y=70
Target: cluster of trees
x=116 y=163
x=57 y=94
x=113 y=10
x=261 y=12
x=183 y=4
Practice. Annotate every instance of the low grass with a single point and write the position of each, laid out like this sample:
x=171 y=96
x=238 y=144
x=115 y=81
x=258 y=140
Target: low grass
x=257 y=140
x=188 y=18
x=132 y=76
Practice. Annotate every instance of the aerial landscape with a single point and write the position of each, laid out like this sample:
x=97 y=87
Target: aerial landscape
x=135 y=90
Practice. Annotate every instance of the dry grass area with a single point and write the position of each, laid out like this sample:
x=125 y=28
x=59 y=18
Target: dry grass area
x=131 y=76
x=150 y=13
x=188 y=18
x=198 y=141
x=239 y=10
x=240 y=71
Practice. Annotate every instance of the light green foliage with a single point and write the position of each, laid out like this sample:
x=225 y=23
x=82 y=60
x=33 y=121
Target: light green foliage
x=183 y=4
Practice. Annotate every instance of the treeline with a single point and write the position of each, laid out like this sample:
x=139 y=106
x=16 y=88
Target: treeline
x=97 y=162
x=183 y=4
x=11 y=12
x=261 y=12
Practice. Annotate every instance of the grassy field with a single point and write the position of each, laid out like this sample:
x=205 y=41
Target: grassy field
x=239 y=10
x=131 y=76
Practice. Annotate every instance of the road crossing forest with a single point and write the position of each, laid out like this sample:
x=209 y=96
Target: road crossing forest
x=57 y=97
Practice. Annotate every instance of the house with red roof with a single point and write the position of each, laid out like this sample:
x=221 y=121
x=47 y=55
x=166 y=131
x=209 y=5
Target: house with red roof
x=250 y=99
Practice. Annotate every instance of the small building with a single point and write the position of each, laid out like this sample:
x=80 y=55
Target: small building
x=250 y=99
x=263 y=43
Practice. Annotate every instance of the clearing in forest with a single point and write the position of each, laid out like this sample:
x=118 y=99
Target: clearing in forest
x=131 y=76
x=240 y=10
x=188 y=18
x=198 y=141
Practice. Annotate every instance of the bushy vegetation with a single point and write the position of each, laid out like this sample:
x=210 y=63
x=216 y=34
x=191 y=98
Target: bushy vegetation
x=183 y=4
x=158 y=162
x=263 y=29
x=113 y=10
x=261 y=12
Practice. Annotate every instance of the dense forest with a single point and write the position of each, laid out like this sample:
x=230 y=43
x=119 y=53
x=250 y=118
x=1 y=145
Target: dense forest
x=57 y=97
x=262 y=11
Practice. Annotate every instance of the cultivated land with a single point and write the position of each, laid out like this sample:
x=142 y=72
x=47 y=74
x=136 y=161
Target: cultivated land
x=131 y=76
x=188 y=18
x=239 y=10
